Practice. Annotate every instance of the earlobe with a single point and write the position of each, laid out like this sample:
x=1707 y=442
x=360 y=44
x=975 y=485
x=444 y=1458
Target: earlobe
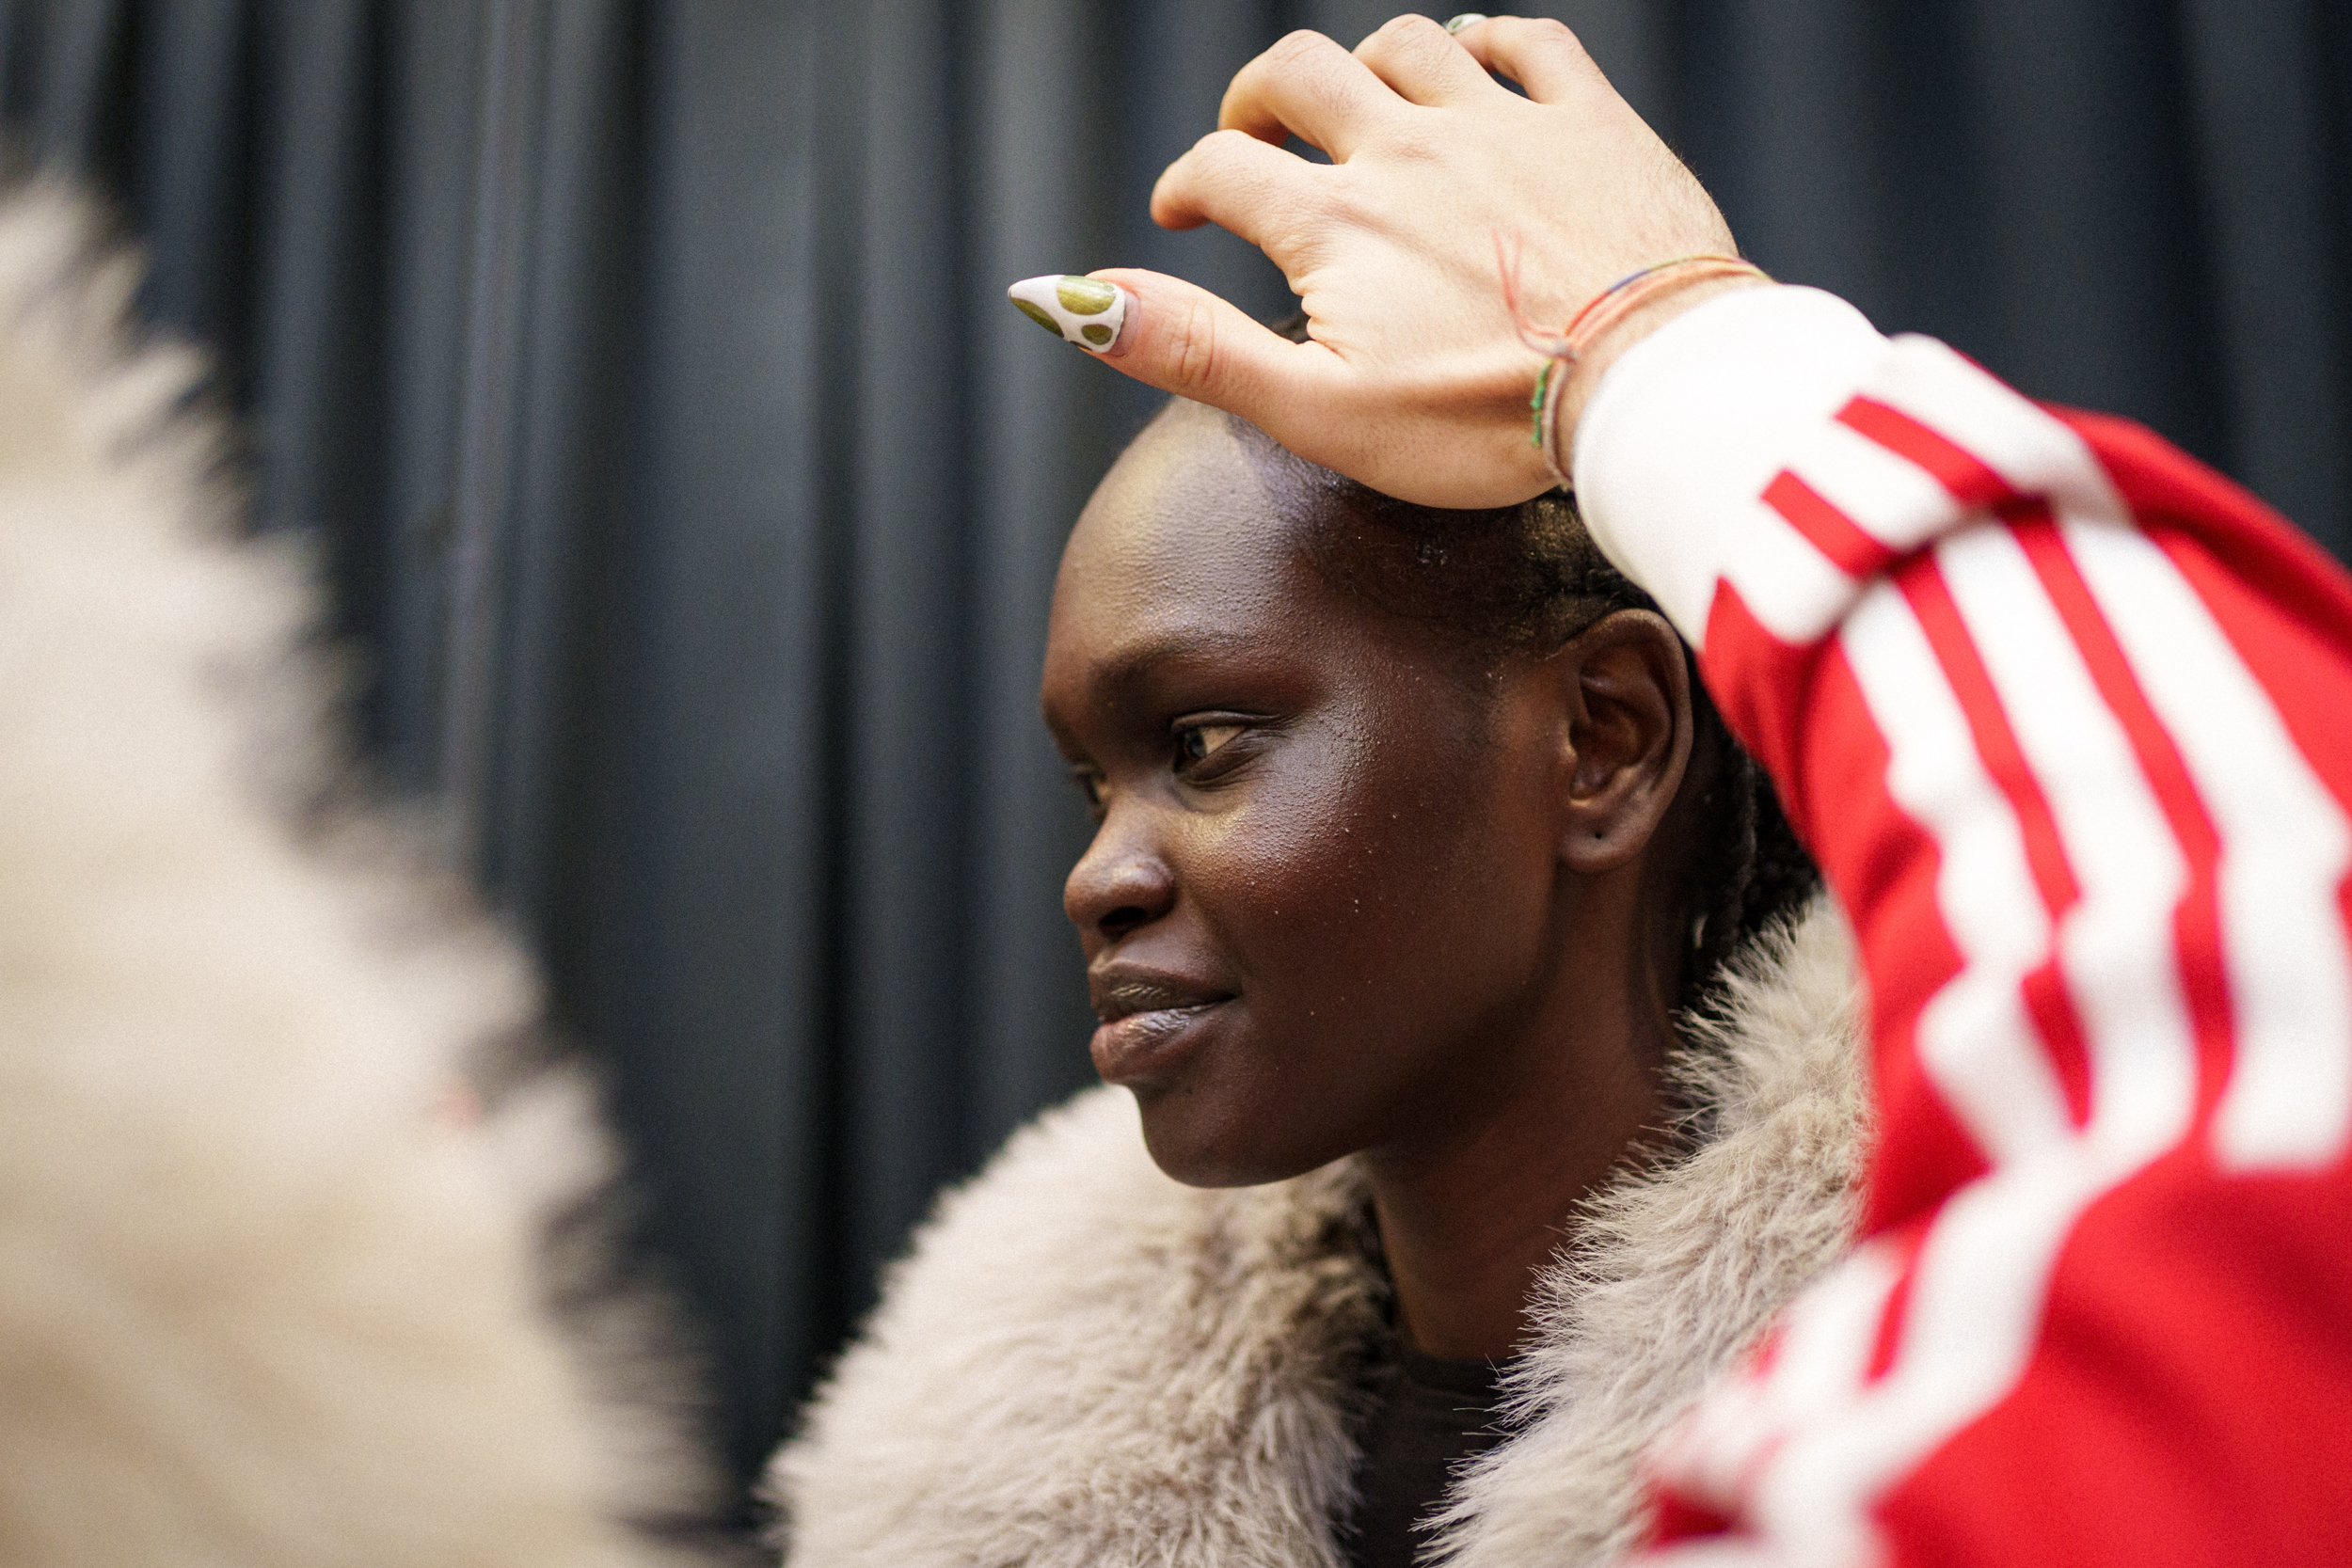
x=1626 y=686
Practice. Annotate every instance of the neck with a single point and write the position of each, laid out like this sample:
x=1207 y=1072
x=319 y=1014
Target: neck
x=1470 y=1213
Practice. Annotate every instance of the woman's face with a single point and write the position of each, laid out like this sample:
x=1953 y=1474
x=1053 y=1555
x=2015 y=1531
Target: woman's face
x=1324 y=896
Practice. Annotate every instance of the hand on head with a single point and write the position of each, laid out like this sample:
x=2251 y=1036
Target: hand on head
x=1415 y=381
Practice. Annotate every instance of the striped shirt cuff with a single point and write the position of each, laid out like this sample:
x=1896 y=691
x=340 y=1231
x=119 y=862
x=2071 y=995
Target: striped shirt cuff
x=1690 y=426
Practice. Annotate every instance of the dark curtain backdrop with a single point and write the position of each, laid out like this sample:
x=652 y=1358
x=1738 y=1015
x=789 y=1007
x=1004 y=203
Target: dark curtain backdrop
x=692 y=497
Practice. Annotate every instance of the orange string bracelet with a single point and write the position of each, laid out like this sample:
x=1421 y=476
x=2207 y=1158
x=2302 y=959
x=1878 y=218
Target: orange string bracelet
x=1604 y=310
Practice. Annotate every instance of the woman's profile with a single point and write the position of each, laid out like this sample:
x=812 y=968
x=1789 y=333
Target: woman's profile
x=1494 y=1068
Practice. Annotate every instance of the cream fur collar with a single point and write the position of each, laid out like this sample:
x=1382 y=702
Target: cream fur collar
x=1082 y=1362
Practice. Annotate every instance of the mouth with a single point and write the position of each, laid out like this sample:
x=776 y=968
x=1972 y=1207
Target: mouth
x=1149 y=1021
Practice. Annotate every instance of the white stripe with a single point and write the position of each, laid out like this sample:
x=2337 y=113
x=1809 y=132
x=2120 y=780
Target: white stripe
x=2285 y=848
x=2116 y=945
x=1884 y=494
x=1967 y=1337
x=1973 y=1037
x=1975 y=1307
x=1794 y=590
x=2036 y=453
x=1827 y=1338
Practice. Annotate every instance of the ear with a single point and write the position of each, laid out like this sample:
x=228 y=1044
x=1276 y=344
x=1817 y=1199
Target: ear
x=1625 y=687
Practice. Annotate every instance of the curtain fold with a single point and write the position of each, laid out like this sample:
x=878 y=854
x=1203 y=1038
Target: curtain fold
x=691 y=498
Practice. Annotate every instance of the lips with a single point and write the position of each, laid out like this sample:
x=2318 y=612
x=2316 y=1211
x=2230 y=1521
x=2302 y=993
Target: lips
x=1150 y=1018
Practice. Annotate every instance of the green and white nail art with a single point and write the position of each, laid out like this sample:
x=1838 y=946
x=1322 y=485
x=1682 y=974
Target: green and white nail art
x=1081 y=310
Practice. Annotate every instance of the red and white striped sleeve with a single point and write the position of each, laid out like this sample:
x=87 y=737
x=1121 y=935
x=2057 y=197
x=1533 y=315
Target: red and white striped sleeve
x=2067 y=719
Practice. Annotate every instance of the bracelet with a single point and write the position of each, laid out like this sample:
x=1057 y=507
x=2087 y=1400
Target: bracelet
x=1604 y=310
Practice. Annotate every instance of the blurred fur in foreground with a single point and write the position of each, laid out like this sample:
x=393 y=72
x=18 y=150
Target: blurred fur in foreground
x=266 y=1295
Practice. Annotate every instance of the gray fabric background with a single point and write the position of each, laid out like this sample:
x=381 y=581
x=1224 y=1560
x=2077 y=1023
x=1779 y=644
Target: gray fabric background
x=693 y=495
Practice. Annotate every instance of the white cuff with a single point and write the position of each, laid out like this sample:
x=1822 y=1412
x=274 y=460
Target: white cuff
x=1687 y=429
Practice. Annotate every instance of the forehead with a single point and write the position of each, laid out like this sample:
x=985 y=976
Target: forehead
x=1188 y=520
x=1186 y=546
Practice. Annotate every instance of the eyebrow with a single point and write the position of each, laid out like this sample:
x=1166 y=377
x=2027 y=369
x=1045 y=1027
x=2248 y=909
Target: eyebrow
x=1132 y=662
x=1116 y=679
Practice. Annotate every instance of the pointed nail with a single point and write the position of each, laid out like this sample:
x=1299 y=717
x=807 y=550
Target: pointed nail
x=1083 y=311
x=1468 y=19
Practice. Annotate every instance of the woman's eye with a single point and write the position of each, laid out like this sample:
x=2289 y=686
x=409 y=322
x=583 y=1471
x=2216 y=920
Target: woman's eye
x=1199 y=742
x=1090 y=784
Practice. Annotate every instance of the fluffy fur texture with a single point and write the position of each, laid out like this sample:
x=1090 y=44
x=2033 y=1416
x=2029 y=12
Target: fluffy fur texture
x=269 y=1296
x=1082 y=1362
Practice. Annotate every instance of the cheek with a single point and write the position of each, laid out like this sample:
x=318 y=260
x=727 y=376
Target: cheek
x=1381 y=911
x=1378 y=893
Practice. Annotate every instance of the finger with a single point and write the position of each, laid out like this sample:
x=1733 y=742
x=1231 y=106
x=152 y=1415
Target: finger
x=1309 y=88
x=1421 y=63
x=1537 y=52
x=1237 y=182
x=1185 y=340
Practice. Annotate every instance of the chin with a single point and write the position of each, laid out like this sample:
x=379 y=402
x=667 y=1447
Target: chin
x=1200 y=1143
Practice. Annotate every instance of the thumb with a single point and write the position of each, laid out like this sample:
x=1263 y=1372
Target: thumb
x=1182 y=339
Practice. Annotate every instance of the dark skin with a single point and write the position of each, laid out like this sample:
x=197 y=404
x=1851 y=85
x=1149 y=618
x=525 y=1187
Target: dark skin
x=1356 y=891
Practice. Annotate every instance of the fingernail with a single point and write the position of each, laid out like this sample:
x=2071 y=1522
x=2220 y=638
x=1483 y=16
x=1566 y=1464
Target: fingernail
x=1468 y=19
x=1083 y=311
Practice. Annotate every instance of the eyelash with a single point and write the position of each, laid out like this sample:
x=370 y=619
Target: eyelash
x=1187 y=733
x=1089 y=781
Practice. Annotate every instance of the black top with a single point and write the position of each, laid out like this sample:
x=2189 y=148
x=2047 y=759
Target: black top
x=1429 y=1416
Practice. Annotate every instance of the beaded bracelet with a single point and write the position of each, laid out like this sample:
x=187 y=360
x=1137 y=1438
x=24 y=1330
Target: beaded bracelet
x=1604 y=310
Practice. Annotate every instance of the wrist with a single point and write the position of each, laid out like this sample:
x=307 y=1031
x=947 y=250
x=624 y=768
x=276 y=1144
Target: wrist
x=1583 y=378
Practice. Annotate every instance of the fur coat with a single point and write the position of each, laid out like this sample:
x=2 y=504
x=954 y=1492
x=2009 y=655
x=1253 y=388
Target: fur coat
x=1082 y=1362
x=273 y=1292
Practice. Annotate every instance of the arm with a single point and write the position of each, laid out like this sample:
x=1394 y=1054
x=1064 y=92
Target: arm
x=2060 y=714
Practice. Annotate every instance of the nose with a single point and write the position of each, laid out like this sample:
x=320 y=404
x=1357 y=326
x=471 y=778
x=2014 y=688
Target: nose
x=1119 y=884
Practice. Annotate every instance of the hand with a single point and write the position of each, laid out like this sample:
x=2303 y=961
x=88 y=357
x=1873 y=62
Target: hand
x=1415 y=381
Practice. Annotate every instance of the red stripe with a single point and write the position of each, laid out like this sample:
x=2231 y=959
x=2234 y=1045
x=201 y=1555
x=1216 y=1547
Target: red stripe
x=1895 y=1315
x=1972 y=482
x=2051 y=1007
x=2196 y=919
x=1884 y=867
x=2004 y=759
x=1830 y=530
x=2048 y=1002
x=1758 y=682
x=1830 y=770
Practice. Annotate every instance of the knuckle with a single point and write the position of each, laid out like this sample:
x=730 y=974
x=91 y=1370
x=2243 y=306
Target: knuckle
x=1192 y=348
x=1550 y=32
x=1297 y=46
x=1219 y=160
x=1404 y=29
x=1404 y=38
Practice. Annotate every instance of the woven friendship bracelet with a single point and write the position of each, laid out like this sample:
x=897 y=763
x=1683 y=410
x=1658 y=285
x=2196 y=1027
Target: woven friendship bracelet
x=1604 y=310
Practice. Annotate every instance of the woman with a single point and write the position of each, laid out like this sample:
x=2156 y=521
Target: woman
x=1493 y=1084
x=2062 y=712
